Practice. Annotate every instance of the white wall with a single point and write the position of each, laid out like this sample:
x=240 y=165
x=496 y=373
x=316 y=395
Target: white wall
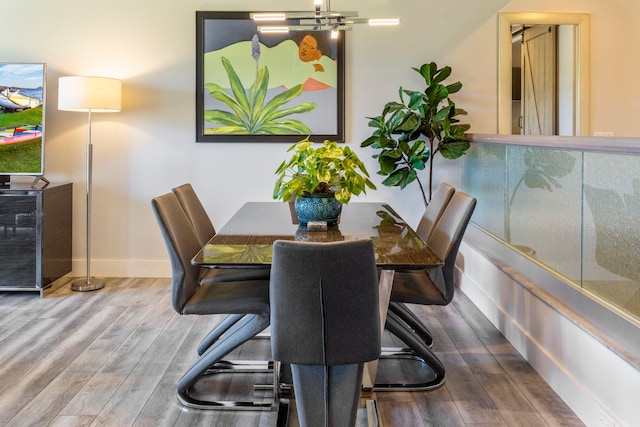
x=149 y=147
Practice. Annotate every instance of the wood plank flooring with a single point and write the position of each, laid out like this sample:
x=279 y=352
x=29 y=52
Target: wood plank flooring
x=112 y=358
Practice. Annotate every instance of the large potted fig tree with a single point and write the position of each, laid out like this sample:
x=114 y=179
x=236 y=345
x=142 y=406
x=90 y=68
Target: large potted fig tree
x=408 y=134
x=321 y=178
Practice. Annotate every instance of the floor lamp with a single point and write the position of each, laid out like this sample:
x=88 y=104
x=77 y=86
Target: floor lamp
x=89 y=95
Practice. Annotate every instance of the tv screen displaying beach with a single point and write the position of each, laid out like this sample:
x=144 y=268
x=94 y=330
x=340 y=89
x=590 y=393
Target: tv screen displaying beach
x=22 y=88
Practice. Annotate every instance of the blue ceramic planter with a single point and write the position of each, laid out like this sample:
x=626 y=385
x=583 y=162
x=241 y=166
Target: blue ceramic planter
x=318 y=207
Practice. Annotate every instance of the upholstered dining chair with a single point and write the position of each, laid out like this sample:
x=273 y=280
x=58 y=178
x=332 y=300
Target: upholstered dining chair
x=432 y=214
x=325 y=323
x=430 y=287
x=204 y=229
x=247 y=298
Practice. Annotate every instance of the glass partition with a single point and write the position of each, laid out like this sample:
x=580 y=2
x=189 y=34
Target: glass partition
x=576 y=212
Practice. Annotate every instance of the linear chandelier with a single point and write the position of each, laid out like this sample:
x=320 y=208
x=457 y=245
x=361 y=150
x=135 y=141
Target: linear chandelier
x=318 y=20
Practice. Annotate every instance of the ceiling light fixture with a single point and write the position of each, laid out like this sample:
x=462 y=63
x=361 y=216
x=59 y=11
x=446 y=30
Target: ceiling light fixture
x=317 y=20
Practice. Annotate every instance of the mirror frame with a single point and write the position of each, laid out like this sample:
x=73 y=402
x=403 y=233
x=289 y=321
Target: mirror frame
x=582 y=23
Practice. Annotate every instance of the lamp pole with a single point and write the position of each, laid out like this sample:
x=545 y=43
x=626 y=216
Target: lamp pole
x=88 y=284
x=89 y=94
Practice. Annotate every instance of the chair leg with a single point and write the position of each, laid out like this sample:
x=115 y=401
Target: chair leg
x=242 y=366
x=421 y=353
x=239 y=333
x=410 y=318
x=220 y=328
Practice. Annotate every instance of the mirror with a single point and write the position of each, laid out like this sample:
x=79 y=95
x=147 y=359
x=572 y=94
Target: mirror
x=569 y=104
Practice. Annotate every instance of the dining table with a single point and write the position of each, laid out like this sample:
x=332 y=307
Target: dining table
x=246 y=241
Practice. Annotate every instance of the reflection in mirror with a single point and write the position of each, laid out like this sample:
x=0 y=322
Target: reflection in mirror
x=543 y=73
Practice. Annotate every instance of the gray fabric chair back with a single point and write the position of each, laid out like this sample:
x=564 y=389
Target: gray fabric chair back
x=325 y=322
x=446 y=238
x=434 y=210
x=324 y=303
x=196 y=213
x=182 y=244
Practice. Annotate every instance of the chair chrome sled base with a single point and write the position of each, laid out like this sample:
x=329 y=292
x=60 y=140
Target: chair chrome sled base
x=418 y=352
x=211 y=363
x=412 y=320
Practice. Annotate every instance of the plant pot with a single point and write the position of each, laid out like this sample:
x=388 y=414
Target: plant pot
x=317 y=207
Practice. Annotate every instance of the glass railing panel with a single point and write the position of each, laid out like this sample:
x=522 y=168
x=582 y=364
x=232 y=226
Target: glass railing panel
x=543 y=209
x=576 y=212
x=611 y=248
x=484 y=176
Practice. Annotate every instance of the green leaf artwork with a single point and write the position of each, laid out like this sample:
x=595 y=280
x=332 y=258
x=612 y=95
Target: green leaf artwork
x=250 y=111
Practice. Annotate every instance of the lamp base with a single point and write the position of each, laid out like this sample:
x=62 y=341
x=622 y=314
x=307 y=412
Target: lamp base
x=84 y=285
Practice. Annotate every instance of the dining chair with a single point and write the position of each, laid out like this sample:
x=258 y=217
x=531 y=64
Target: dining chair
x=435 y=286
x=205 y=230
x=325 y=323
x=248 y=298
x=430 y=217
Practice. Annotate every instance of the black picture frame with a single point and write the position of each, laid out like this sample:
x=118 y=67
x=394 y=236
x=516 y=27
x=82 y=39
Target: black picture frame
x=229 y=35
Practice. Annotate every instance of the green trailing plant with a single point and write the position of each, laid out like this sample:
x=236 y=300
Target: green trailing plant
x=328 y=168
x=250 y=113
x=409 y=133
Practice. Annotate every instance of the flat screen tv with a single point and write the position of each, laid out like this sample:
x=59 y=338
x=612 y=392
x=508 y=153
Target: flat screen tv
x=22 y=99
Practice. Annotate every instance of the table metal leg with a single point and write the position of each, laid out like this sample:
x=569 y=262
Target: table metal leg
x=371 y=368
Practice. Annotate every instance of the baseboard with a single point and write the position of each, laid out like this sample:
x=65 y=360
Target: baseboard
x=594 y=381
x=122 y=268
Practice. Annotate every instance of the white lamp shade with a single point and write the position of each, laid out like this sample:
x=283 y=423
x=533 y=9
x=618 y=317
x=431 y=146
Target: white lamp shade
x=95 y=94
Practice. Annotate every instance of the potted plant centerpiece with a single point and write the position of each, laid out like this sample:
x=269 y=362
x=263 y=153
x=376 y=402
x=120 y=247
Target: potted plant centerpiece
x=321 y=179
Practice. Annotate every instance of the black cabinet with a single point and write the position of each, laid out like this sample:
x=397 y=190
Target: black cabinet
x=35 y=236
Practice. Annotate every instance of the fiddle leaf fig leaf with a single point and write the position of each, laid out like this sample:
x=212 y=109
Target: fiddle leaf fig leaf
x=442 y=114
x=454 y=88
x=410 y=123
x=442 y=75
x=415 y=100
x=453 y=150
x=394 y=178
x=387 y=164
x=417 y=163
x=458 y=131
x=375 y=121
x=408 y=178
x=369 y=141
x=425 y=71
x=418 y=148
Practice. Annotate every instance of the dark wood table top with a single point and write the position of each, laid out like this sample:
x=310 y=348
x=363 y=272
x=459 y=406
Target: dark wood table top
x=247 y=239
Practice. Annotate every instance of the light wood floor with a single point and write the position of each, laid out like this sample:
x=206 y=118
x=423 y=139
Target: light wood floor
x=112 y=357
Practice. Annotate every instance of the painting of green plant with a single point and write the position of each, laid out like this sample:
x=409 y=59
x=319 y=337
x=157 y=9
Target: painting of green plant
x=250 y=112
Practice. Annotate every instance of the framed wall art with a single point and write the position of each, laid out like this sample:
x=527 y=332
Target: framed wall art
x=257 y=87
